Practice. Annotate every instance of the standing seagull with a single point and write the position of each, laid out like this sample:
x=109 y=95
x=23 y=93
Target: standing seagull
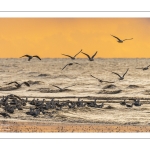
x=19 y=85
x=90 y=58
x=30 y=57
x=101 y=80
x=62 y=89
x=73 y=56
x=69 y=65
x=121 y=77
x=144 y=68
x=119 y=40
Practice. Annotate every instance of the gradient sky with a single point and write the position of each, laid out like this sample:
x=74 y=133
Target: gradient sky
x=50 y=37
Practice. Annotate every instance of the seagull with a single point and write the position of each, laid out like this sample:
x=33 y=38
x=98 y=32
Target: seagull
x=62 y=89
x=144 y=68
x=19 y=85
x=73 y=56
x=121 y=77
x=69 y=65
x=119 y=40
x=90 y=58
x=123 y=103
x=30 y=57
x=101 y=80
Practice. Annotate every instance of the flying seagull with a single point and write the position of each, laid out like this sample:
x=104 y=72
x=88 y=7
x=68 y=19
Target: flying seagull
x=90 y=58
x=101 y=80
x=30 y=57
x=119 y=40
x=144 y=68
x=69 y=65
x=73 y=56
x=62 y=89
x=121 y=77
x=18 y=85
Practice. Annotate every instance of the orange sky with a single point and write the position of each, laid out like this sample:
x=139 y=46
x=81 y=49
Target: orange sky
x=50 y=37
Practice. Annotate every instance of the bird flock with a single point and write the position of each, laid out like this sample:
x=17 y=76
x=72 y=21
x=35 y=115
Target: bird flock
x=12 y=102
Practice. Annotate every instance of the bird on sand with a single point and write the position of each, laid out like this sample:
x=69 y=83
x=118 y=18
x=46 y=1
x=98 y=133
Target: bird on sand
x=69 y=65
x=5 y=114
x=18 y=85
x=73 y=56
x=62 y=89
x=101 y=80
x=119 y=40
x=30 y=57
x=90 y=58
x=144 y=68
x=121 y=77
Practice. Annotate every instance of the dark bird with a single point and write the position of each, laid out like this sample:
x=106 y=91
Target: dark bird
x=69 y=65
x=30 y=57
x=101 y=80
x=73 y=56
x=90 y=58
x=119 y=40
x=144 y=68
x=99 y=106
x=123 y=103
x=18 y=85
x=121 y=77
x=5 y=114
x=91 y=104
x=62 y=89
x=137 y=103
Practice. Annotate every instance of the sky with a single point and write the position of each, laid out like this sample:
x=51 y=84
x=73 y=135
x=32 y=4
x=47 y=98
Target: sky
x=52 y=37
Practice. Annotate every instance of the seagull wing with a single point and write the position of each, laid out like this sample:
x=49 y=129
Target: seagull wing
x=13 y=82
x=26 y=83
x=127 y=39
x=68 y=56
x=26 y=56
x=147 y=66
x=94 y=55
x=77 y=53
x=57 y=87
x=116 y=74
x=37 y=57
x=125 y=72
x=116 y=37
x=108 y=82
x=86 y=55
x=95 y=77
x=68 y=86
x=65 y=67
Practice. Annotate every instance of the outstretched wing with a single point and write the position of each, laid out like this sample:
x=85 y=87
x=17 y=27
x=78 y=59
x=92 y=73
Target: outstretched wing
x=125 y=72
x=37 y=57
x=127 y=39
x=94 y=55
x=77 y=53
x=26 y=56
x=116 y=37
x=57 y=87
x=68 y=86
x=65 y=67
x=26 y=83
x=147 y=66
x=13 y=82
x=68 y=56
x=117 y=74
x=95 y=77
x=86 y=55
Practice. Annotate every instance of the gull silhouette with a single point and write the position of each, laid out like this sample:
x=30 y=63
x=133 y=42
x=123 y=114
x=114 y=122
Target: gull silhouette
x=121 y=77
x=69 y=65
x=73 y=56
x=30 y=57
x=90 y=58
x=144 y=68
x=62 y=89
x=119 y=40
x=101 y=80
x=18 y=85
